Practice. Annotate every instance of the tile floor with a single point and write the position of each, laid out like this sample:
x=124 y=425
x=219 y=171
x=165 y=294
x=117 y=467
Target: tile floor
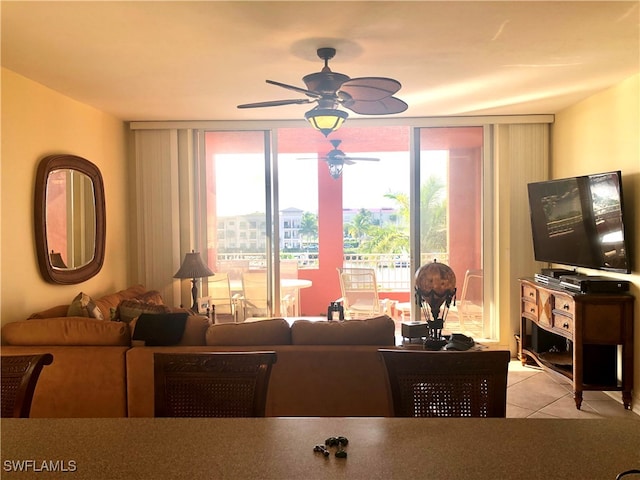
x=533 y=393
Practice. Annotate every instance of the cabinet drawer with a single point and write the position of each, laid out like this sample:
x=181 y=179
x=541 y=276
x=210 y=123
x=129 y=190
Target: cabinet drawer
x=564 y=304
x=529 y=293
x=564 y=323
x=529 y=309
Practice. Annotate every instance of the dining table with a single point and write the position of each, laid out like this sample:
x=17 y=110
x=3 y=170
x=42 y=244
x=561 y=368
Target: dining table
x=291 y=448
x=286 y=285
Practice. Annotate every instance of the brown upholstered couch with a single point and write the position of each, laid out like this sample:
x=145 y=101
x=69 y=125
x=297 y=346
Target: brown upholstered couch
x=323 y=368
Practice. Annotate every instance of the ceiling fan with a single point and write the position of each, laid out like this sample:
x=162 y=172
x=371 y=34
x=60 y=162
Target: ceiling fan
x=336 y=159
x=364 y=95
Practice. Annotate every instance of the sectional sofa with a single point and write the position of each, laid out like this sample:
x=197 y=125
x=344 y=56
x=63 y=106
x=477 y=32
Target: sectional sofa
x=101 y=370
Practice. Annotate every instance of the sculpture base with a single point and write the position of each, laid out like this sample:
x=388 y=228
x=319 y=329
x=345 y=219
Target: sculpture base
x=434 y=343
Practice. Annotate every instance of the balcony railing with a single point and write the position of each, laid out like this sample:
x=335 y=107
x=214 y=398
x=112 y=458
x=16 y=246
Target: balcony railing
x=392 y=271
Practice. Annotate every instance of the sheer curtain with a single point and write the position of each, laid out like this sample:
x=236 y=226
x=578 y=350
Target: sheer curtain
x=163 y=208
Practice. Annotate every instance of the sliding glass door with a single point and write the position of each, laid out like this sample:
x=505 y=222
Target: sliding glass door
x=276 y=205
x=237 y=212
x=451 y=218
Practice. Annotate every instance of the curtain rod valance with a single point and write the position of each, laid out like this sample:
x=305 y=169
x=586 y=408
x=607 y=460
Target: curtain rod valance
x=468 y=121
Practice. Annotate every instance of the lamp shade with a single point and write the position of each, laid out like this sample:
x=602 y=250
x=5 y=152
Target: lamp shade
x=193 y=267
x=326 y=120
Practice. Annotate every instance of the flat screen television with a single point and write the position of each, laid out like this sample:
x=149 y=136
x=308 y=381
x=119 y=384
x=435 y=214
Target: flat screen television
x=579 y=222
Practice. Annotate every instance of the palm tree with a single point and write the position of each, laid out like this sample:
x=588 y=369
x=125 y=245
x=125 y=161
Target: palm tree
x=359 y=227
x=433 y=223
x=433 y=216
x=309 y=227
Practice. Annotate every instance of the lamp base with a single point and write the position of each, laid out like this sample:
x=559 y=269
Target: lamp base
x=194 y=295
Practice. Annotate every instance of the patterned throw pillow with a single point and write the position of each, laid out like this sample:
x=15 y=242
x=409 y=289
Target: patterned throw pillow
x=152 y=296
x=133 y=308
x=84 y=306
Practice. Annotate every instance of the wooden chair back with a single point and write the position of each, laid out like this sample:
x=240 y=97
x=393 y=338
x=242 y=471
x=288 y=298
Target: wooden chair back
x=212 y=384
x=20 y=375
x=447 y=383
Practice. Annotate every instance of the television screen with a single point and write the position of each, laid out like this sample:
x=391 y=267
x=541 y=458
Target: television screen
x=579 y=222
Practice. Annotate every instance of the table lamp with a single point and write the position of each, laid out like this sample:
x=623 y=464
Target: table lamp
x=193 y=267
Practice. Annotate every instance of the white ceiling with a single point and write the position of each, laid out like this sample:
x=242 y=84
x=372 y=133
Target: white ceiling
x=197 y=60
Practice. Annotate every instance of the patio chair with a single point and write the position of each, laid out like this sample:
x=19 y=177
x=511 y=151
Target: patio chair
x=20 y=375
x=255 y=302
x=212 y=384
x=233 y=268
x=221 y=298
x=359 y=289
x=447 y=384
x=470 y=309
x=290 y=296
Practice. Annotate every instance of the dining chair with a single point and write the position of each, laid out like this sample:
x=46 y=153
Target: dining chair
x=424 y=383
x=20 y=375
x=221 y=297
x=212 y=384
x=359 y=289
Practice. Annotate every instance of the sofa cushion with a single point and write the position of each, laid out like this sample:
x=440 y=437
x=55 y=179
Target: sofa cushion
x=272 y=331
x=53 y=312
x=372 y=331
x=105 y=304
x=194 y=334
x=84 y=306
x=71 y=331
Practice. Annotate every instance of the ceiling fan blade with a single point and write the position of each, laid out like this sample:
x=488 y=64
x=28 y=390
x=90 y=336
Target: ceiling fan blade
x=369 y=89
x=276 y=103
x=360 y=159
x=385 y=106
x=295 y=89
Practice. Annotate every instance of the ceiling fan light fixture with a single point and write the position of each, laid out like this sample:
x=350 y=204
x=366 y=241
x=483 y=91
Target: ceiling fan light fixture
x=335 y=170
x=326 y=120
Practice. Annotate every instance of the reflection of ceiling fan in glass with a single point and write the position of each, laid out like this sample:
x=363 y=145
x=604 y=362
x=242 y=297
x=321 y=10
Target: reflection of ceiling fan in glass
x=337 y=159
x=364 y=95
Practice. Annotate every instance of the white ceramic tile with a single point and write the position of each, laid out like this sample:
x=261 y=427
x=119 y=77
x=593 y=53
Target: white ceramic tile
x=565 y=407
x=514 y=411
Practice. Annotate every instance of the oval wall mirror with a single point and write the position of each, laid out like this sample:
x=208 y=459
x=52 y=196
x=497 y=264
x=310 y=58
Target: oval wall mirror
x=69 y=219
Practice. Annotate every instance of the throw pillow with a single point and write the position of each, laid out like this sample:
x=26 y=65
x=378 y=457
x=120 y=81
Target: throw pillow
x=159 y=329
x=152 y=296
x=130 y=309
x=195 y=329
x=84 y=306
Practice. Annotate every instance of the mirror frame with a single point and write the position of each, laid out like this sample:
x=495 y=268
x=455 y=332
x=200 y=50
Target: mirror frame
x=81 y=274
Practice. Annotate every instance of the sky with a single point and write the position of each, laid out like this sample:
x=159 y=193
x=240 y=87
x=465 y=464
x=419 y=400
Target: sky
x=364 y=183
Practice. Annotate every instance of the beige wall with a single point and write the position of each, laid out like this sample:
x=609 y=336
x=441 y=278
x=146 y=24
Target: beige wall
x=596 y=135
x=37 y=121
